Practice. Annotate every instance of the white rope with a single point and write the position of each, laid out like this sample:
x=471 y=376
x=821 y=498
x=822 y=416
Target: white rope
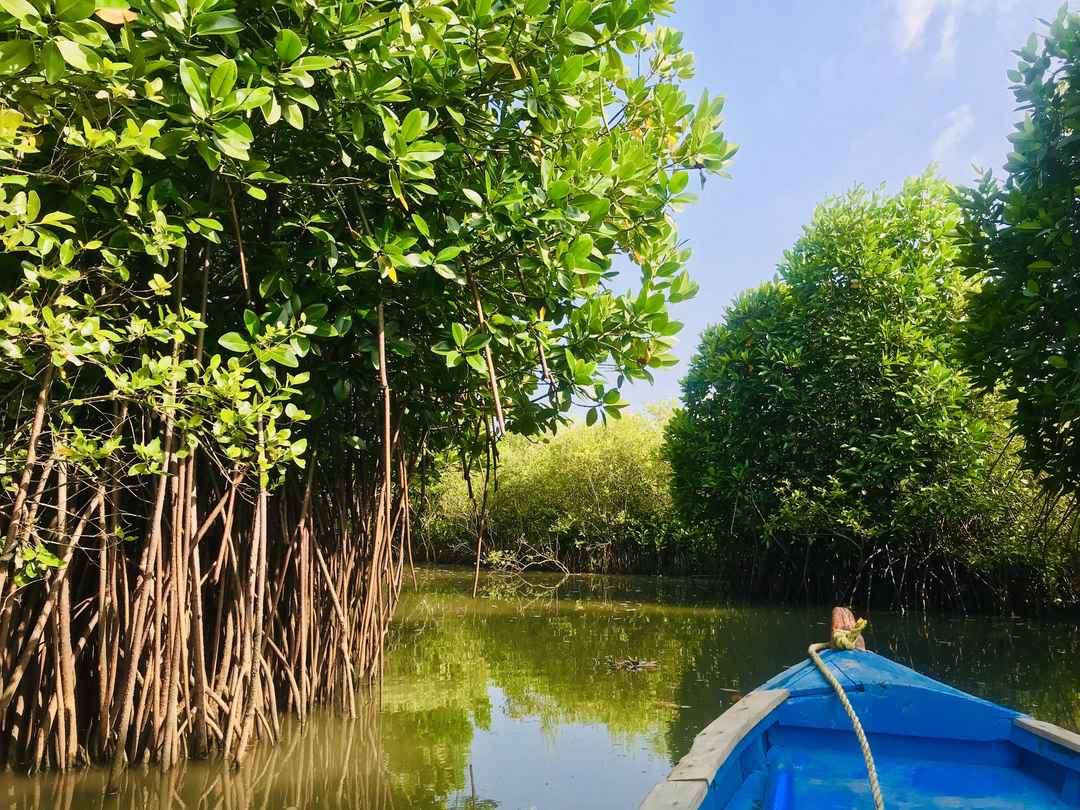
x=868 y=757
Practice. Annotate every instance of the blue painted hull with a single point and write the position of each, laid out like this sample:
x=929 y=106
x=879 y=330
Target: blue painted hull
x=790 y=745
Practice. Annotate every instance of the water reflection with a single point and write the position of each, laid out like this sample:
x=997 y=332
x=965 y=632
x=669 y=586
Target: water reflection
x=512 y=701
x=328 y=765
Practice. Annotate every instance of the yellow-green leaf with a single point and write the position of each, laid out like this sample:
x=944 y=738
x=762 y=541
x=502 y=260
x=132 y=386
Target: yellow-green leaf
x=78 y=56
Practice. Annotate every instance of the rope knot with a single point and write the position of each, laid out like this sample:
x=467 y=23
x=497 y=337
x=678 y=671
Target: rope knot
x=848 y=638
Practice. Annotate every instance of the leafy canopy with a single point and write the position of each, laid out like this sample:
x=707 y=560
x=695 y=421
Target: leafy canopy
x=1023 y=331
x=831 y=405
x=204 y=204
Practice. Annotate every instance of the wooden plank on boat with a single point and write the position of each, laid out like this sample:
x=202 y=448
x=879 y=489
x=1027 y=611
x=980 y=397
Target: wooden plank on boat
x=1048 y=731
x=718 y=739
x=676 y=796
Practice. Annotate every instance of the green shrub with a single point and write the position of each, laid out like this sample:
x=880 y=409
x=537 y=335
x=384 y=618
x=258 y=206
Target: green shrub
x=831 y=440
x=589 y=497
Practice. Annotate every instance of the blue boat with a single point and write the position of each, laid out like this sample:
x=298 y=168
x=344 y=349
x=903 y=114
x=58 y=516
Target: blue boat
x=789 y=745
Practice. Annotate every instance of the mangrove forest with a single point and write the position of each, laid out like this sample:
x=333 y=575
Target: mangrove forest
x=301 y=300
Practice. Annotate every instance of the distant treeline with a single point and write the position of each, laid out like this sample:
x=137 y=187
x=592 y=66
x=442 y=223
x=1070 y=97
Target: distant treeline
x=589 y=498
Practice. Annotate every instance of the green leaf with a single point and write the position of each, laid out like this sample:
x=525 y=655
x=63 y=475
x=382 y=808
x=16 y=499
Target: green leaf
x=245 y=99
x=217 y=24
x=477 y=362
x=234 y=342
x=15 y=55
x=20 y=9
x=410 y=127
x=288 y=45
x=395 y=186
x=558 y=190
x=233 y=137
x=315 y=312
x=422 y=226
x=1057 y=361
x=448 y=253
x=477 y=341
x=460 y=333
x=284 y=355
x=74 y=10
x=570 y=70
x=55 y=68
x=223 y=79
x=252 y=323
x=78 y=56
x=307 y=63
x=581 y=247
x=473 y=197
x=579 y=13
x=292 y=114
x=424 y=151
x=194 y=81
x=210 y=156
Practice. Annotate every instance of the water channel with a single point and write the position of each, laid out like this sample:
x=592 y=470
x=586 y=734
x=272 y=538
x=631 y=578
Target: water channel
x=564 y=694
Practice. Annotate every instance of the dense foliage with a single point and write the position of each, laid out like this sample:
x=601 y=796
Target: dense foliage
x=242 y=239
x=829 y=425
x=590 y=498
x=1023 y=332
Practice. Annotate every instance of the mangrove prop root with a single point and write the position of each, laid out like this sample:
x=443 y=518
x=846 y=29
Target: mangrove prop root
x=188 y=631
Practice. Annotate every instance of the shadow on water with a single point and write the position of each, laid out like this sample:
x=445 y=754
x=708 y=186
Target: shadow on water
x=542 y=695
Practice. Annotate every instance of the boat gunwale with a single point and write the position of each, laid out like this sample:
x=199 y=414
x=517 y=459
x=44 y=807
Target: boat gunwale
x=688 y=783
x=1068 y=740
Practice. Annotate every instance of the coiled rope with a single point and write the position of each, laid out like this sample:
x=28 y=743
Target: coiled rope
x=847 y=639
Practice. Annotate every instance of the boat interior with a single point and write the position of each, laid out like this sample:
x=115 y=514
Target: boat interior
x=790 y=745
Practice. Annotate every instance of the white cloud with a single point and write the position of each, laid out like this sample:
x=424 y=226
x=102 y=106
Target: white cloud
x=920 y=20
x=959 y=124
x=912 y=19
x=946 y=53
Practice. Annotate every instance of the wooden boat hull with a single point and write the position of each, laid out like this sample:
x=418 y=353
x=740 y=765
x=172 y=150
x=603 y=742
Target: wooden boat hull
x=790 y=745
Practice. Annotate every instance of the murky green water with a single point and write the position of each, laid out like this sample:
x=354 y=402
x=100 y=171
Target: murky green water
x=511 y=701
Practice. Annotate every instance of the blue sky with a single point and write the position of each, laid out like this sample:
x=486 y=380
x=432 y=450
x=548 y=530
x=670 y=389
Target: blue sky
x=823 y=95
